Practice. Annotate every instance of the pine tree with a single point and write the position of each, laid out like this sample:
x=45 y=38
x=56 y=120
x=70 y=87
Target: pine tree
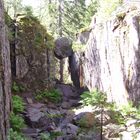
x=75 y=14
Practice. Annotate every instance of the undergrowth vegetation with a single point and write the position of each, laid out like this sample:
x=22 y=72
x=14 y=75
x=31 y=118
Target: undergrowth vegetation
x=16 y=120
x=34 y=34
x=52 y=95
x=14 y=135
x=17 y=88
x=17 y=104
x=99 y=100
x=119 y=115
x=50 y=136
x=78 y=47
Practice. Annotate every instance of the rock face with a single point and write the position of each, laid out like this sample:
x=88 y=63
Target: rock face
x=74 y=67
x=36 y=69
x=5 y=77
x=112 y=58
x=83 y=36
x=32 y=56
x=63 y=47
x=41 y=118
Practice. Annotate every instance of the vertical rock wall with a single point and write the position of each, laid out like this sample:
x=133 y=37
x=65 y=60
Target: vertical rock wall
x=5 y=78
x=37 y=69
x=112 y=57
x=32 y=54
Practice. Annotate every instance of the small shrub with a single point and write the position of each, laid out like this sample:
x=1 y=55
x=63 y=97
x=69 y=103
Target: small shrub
x=17 y=88
x=45 y=136
x=78 y=47
x=18 y=104
x=128 y=110
x=50 y=136
x=94 y=98
x=117 y=117
x=52 y=95
x=85 y=29
x=14 y=135
x=54 y=135
x=17 y=122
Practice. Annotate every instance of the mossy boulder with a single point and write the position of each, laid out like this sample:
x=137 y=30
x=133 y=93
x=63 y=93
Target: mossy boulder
x=34 y=34
x=85 y=119
x=33 y=53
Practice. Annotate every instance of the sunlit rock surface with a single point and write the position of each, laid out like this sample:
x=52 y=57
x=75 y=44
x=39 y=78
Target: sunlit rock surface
x=112 y=58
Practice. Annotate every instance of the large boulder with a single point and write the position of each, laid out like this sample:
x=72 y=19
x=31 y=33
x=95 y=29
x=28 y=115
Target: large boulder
x=32 y=58
x=85 y=119
x=63 y=48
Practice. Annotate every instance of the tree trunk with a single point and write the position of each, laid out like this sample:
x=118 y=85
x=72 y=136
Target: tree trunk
x=50 y=1
x=13 y=47
x=5 y=76
x=60 y=34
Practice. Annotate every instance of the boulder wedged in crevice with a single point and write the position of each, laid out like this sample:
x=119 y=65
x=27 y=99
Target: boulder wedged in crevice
x=63 y=47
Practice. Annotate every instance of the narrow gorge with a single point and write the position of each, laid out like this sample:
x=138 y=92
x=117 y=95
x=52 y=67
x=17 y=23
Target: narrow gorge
x=64 y=88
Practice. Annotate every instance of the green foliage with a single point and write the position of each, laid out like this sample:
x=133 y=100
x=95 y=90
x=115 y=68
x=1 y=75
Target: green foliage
x=52 y=95
x=34 y=34
x=85 y=29
x=45 y=136
x=117 y=117
x=106 y=7
x=17 y=122
x=125 y=112
x=17 y=88
x=14 y=135
x=118 y=114
x=130 y=111
x=77 y=15
x=78 y=47
x=94 y=98
x=122 y=114
x=8 y=20
x=99 y=100
x=121 y=15
x=53 y=135
x=18 y=104
x=28 y=10
x=50 y=136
